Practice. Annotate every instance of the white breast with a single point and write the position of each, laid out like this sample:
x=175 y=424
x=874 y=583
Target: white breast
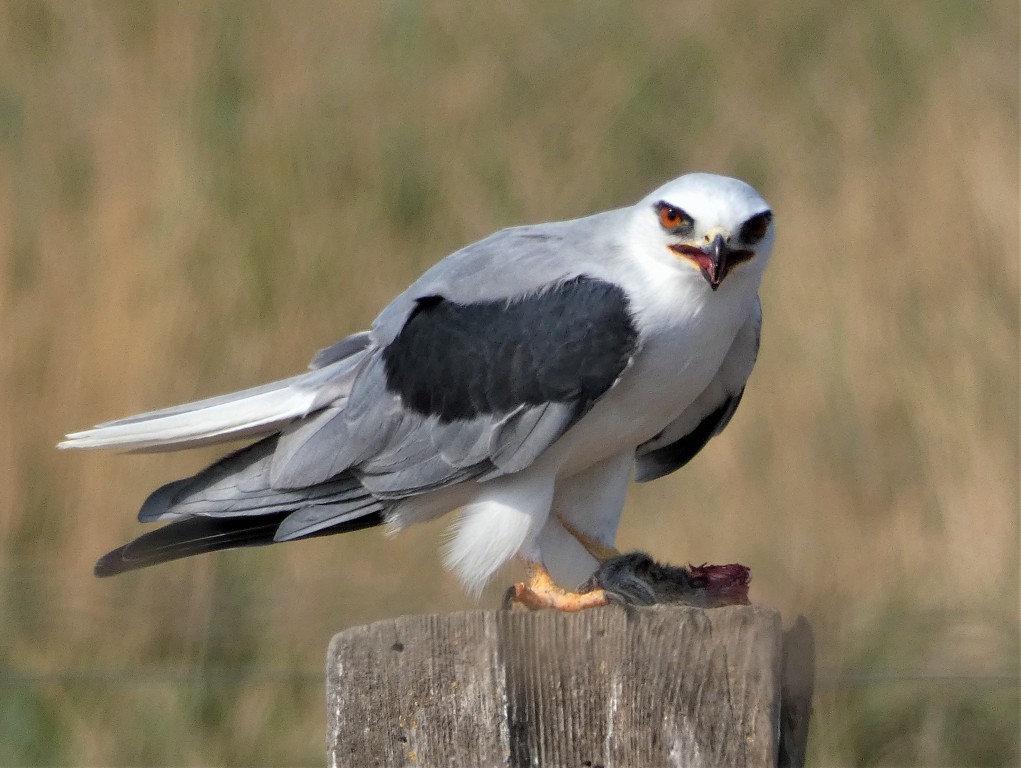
x=686 y=331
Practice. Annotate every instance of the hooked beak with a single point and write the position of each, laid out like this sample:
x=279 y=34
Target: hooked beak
x=714 y=259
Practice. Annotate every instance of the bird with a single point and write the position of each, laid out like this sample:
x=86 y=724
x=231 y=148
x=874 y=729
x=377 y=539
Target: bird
x=520 y=382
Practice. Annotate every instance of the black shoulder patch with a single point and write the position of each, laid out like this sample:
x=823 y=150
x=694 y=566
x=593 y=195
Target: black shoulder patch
x=565 y=344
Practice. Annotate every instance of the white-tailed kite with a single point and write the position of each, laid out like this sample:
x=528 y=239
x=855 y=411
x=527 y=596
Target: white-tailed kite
x=521 y=380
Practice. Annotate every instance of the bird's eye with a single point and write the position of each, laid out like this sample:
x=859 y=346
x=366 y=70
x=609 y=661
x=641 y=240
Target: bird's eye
x=756 y=227
x=671 y=217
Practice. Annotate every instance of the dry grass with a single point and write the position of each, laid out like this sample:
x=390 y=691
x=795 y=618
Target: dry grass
x=194 y=199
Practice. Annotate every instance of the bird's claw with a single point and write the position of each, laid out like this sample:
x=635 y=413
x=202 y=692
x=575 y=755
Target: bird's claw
x=541 y=592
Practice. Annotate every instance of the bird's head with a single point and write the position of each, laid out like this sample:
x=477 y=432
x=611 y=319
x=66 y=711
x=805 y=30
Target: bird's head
x=713 y=224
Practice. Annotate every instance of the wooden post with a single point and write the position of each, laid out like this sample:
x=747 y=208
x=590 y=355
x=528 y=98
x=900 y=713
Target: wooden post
x=661 y=686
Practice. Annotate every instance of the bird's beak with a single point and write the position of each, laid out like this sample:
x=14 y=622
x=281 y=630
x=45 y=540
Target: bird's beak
x=713 y=259
x=716 y=267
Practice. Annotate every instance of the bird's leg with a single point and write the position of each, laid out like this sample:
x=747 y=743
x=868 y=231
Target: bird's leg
x=541 y=592
x=598 y=550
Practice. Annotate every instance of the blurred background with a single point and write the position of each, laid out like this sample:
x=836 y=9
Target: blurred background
x=195 y=198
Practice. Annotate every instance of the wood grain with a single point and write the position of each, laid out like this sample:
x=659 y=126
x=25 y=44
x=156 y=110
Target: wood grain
x=661 y=686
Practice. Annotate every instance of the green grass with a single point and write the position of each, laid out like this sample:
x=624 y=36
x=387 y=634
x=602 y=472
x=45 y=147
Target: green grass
x=195 y=199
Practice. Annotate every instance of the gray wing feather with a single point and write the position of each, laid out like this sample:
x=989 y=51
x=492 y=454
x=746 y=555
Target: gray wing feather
x=317 y=517
x=393 y=451
x=362 y=433
x=353 y=449
x=314 y=450
x=341 y=350
x=508 y=263
x=427 y=475
x=239 y=484
x=339 y=437
x=526 y=433
x=462 y=444
x=398 y=452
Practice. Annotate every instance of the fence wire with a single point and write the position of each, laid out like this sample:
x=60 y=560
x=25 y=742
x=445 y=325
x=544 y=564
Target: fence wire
x=280 y=675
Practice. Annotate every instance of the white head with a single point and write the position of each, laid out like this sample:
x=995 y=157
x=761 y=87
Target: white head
x=714 y=225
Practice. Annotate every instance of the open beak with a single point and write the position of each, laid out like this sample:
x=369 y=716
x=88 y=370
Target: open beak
x=716 y=267
x=713 y=259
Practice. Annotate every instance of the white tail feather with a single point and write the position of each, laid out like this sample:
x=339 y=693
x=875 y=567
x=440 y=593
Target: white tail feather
x=219 y=419
x=250 y=412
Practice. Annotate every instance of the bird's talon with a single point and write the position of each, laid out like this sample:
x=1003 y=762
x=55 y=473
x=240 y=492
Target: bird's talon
x=541 y=592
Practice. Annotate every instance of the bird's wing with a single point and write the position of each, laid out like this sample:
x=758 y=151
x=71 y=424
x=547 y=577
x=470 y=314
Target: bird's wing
x=201 y=533
x=471 y=373
x=509 y=263
x=476 y=368
x=705 y=418
x=468 y=389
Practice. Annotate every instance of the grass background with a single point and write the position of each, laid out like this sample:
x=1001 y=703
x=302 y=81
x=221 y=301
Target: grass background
x=194 y=198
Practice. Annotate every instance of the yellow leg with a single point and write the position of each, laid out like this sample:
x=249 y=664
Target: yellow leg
x=541 y=592
x=599 y=551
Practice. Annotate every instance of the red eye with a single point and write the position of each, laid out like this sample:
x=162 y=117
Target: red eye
x=672 y=218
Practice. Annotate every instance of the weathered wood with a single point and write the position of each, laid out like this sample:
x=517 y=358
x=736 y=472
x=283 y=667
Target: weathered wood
x=797 y=685
x=662 y=686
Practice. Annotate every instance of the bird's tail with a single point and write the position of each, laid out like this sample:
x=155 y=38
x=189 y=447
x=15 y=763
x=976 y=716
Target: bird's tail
x=233 y=502
x=251 y=412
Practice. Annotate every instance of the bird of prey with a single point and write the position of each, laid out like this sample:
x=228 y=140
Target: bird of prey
x=521 y=380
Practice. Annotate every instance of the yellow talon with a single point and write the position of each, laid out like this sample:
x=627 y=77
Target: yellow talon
x=541 y=592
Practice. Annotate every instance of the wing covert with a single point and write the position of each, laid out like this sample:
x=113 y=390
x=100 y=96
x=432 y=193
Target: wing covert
x=469 y=390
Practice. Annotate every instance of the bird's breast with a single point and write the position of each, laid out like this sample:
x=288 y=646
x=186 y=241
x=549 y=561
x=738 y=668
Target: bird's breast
x=680 y=354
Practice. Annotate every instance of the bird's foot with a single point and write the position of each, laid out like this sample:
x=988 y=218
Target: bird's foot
x=598 y=550
x=541 y=592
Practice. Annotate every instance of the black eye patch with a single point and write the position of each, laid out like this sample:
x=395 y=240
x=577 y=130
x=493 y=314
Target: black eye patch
x=756 y=227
